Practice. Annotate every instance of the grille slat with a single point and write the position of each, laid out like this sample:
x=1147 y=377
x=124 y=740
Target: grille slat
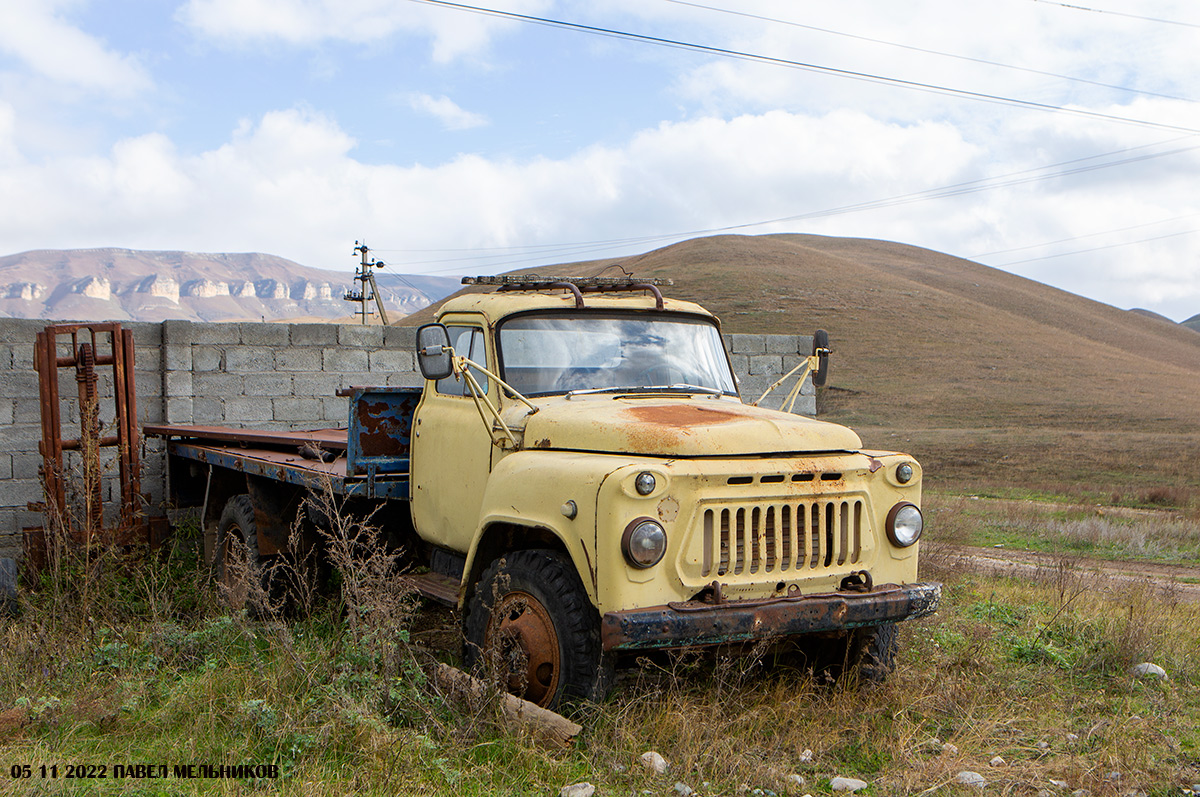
x=781 y=536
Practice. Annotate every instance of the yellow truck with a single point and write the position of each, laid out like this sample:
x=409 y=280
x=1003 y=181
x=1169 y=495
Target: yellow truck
x=584 y=481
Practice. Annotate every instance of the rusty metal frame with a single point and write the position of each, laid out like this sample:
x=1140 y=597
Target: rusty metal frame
x=85 y=358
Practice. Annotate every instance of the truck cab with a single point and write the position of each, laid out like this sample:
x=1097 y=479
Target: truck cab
x=583 y=465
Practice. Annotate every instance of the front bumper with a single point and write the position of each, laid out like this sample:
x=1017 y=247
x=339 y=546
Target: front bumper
x=694 y=623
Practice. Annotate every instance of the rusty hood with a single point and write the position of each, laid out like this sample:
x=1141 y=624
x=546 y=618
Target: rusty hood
x=679 y=427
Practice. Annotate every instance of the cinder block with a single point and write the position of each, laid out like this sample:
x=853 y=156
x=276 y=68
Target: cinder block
x=177 y=357
x=6 y=466
x=217 y=384
x=20 y=436
x=780 y=344
x=22 y=356
x=405 y=379
x=6 y=358
x=147 y=358
x=741 y=364
x=148 y=384
x=249 y=359
x=208 y=410
x=146 y=334
x=766 y=365
x=265 y=334
x=19 y=492
x=804 y=344
x=336 y=410
x=360 y=336
x=247 y=410
x=747 y=344
x=178 y=383
x=316 y=386
x=24 y=384
x=274 y=384
x=345 y=360
x=361 y=379
x=314 y=334
x=298 y=409
x=403 y=338
x=6 y=411
x=178 y=332
x=214 y=334
x=391 y=360
x=207 y=358
x=178 y=410
x=151 y=411
x=25 y=465
x=299 y=359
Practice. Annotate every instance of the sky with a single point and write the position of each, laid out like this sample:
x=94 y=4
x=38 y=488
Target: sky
x=1058 y=141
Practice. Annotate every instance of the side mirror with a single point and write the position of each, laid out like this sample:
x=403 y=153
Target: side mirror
x=821 y=350
x=433 y=351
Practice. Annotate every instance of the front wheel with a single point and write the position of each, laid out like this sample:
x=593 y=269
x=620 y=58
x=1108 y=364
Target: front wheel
x=530 y=625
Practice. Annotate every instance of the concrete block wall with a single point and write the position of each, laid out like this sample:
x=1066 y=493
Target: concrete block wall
x=268 y=376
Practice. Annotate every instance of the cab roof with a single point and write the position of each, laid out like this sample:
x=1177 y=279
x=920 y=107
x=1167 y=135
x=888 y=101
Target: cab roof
x=512 y=299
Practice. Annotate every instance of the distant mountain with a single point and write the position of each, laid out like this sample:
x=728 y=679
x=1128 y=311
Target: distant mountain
x=1193 y=322
x=133 y=285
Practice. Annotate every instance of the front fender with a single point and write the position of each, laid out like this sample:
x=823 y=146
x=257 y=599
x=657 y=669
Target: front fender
x=524 y=505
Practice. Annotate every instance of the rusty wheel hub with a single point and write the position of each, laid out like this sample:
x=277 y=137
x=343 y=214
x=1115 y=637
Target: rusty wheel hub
x=524 y=644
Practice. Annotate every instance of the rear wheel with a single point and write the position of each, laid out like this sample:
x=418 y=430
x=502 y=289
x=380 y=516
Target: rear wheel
x=530 y=626
x=237 y=563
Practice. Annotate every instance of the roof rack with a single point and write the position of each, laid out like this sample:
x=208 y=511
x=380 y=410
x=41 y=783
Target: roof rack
x=576 y=285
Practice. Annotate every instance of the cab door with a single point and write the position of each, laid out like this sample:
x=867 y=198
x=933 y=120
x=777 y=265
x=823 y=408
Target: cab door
x=452 y=448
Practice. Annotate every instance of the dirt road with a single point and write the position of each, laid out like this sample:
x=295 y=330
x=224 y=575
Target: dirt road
x=1180 y=581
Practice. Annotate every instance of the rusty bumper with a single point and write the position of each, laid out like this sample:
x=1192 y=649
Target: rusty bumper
x=694 y=623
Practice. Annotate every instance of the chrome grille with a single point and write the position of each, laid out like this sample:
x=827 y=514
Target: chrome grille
x=781 y=537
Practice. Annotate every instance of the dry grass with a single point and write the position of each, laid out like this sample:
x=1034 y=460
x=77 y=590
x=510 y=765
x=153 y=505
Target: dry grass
x=1008 y=668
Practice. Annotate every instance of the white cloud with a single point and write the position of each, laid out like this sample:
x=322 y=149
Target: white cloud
x=305 y=22
x=37 y=34
x=446 y=111
x=289 y=184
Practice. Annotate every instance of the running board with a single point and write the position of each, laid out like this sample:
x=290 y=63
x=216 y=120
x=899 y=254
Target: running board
x=436 y=587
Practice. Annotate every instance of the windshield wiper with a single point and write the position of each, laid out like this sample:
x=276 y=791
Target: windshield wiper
x=679 y=387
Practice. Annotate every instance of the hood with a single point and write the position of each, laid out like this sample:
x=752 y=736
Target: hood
x=678 y=427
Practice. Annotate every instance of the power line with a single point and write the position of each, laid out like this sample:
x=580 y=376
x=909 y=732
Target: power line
x=926 y=51
x=1097 y=248
x=828 y=70
x=1076 y=166
x=1082 y=237
x=1118 y=13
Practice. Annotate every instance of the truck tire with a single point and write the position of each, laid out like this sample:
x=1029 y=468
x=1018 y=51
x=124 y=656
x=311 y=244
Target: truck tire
x=237 y=536
x=874 y=649
x=530 y=625
x=8 y=587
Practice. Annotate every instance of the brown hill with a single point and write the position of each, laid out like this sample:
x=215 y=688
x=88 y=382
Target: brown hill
x=126 y=284
x=996 y=382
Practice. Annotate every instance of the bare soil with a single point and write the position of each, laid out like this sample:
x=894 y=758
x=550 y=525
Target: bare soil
x=1179 y=581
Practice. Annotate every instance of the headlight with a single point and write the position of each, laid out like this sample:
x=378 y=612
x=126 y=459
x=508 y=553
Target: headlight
x=644 y=542
x=904 y=472
x=645 y=483
x=904 y=524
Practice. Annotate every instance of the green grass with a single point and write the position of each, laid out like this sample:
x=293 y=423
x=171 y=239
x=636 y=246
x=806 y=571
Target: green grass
x=1004 y=667
x=1066 y=529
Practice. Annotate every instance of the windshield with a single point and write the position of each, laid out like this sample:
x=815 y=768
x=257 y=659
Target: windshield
x=559 y=353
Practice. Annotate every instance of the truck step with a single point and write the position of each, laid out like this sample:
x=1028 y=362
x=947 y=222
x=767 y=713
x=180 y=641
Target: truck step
x=436 y=587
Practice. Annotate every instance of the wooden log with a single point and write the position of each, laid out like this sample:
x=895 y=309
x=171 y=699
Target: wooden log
x=553 y=730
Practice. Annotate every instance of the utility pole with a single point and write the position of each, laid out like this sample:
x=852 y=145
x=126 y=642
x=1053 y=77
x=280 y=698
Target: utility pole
x=368 y=290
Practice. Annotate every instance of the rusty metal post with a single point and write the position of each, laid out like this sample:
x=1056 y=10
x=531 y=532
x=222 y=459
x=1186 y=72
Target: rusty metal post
x=85 y=358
